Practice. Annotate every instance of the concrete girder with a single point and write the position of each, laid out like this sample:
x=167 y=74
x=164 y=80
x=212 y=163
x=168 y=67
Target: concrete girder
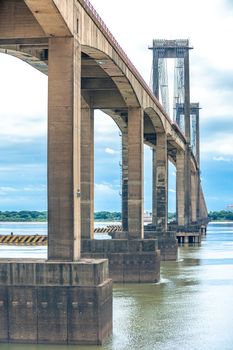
x=118 y=119
x=50 y=15
x=113 y=71
x=17 y=21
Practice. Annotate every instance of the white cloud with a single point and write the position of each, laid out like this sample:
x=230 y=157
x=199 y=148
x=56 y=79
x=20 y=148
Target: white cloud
x=32 y=188
x=222 y=159
x=105 y=189
x=220 y=144
x=172 y=190
x=5 y=190
x=110 y=151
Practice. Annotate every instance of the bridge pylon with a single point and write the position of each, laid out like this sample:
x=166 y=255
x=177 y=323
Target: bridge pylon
x=186 y=116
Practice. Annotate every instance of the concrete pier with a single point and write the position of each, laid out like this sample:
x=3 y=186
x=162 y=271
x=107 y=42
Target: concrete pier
x=136 y=261
x=167 y=242
x=55 y=302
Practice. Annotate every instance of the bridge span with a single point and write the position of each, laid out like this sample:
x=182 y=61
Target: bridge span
x=67 y=299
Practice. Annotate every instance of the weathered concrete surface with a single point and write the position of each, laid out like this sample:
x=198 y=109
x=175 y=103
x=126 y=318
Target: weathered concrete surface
x=124 y=190
x=64 y=149
x=167 y=242
x=135 y=173
x=87 y=173
x=160 y=183
x=55 y=302
x=134 y=260
x=180 y=188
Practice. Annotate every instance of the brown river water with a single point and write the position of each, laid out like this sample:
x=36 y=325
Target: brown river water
x=190 y=309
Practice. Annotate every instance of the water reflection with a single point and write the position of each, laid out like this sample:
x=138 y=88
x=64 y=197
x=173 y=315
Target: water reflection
x=190 y=309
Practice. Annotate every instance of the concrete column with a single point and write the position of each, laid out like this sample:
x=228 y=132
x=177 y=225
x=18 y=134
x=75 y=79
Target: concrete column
x=135 y=173
x=187 y=95
x=180 y=188
x=155 y=73
x=198 y=195
x=124 y=141
x=87 y=173
x=154 y=192
x=187 y=135
x=187 y=183
x=160 y=180
x=198 y=136
x=194 y=196
x=64 y=149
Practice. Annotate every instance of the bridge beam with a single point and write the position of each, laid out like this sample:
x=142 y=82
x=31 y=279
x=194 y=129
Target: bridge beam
x=135 y=173
x=49 y=17
x=64 y=103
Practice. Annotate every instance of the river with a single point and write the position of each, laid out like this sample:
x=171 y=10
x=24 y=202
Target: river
x=190 y=309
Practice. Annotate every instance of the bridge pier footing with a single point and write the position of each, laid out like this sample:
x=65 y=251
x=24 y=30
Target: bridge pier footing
x=167 y=244
x=136 y=260
x=55 y=302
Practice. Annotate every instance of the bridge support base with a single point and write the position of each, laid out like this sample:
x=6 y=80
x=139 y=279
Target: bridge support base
x=55 y=302
x=136 y=260
x=168 y=248
x=167 y=244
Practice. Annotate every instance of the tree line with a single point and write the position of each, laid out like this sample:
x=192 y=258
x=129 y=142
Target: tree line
x=41 y=216
x=222 y=215
x=23 y=216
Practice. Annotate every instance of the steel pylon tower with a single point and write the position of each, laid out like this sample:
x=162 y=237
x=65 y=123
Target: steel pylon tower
x=179 y=50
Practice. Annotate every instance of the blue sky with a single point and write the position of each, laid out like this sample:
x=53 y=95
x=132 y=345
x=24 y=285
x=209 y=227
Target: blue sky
x=23 y=112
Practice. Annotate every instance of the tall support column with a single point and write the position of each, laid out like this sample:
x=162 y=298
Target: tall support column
x=198 y=161
x=186 y=95
x=64 y=74
x=187 y=134
x=135 y=173
x=198 y=194
x=155 y=72
x=198 y=135
x=194 y=196
x=87 y=173
x=124 y=141
x=161 y=182
x=180 y=188
x=154 y=192
x=187 y=182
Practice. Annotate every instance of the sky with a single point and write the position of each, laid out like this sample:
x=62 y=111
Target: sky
x=23 y=110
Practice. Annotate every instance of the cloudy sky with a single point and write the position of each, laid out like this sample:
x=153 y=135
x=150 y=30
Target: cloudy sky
x=23 y=110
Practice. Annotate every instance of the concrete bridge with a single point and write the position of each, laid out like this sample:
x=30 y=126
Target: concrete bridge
x=67 y=299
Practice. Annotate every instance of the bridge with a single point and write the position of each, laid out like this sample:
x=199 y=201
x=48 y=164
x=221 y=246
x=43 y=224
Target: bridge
x=68 y=297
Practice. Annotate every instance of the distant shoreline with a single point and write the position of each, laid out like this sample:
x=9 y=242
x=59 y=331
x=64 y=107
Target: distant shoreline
x=97 y=221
